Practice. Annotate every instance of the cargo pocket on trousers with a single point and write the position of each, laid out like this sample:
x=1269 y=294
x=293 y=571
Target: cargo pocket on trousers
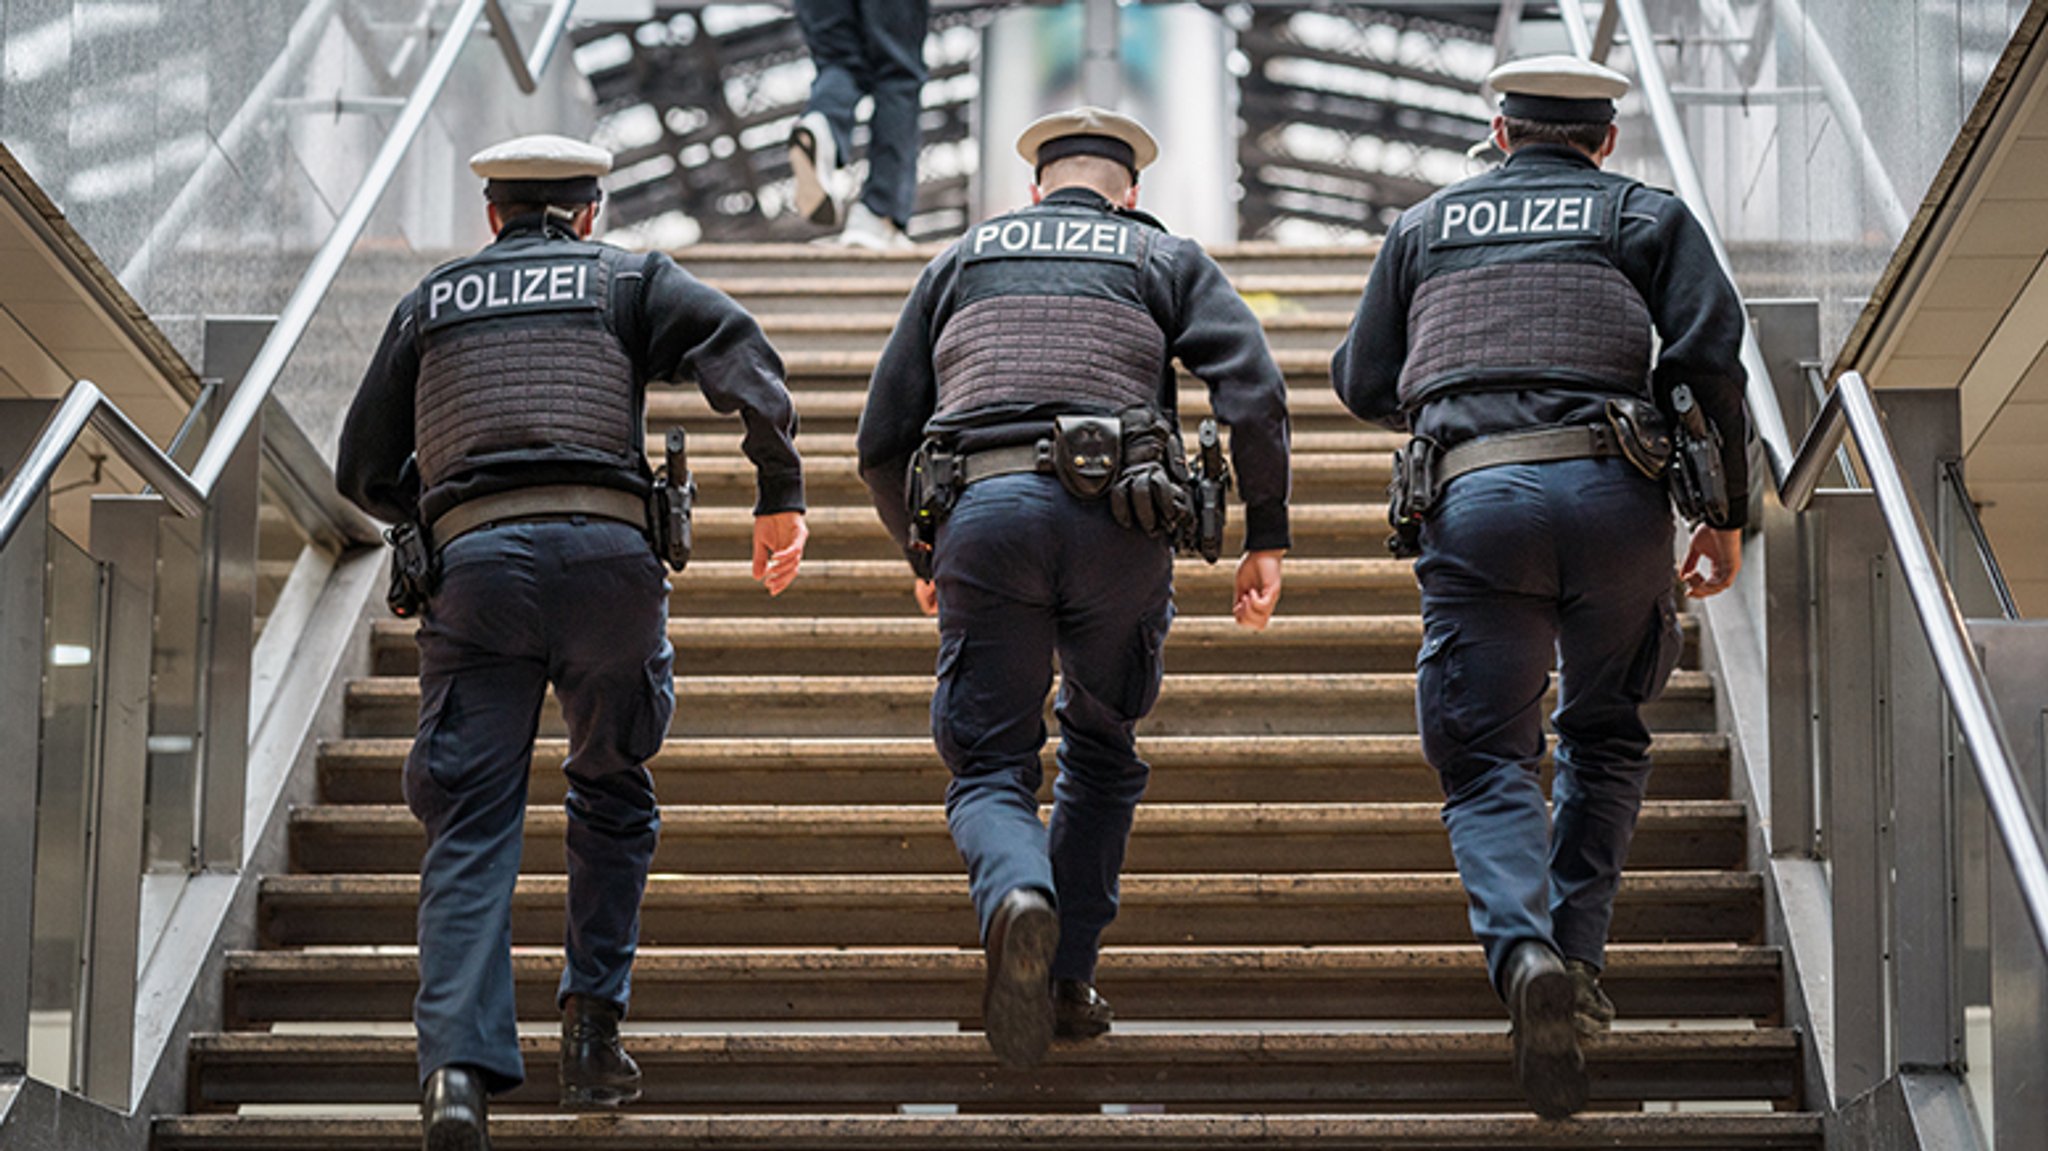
x=1437 y=692
x=658 y=709
x=1152 y=665
x=954 y=727
x=424 y=792
x=1659 y=655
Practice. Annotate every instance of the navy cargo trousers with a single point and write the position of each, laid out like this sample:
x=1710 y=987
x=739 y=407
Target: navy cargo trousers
x=582 y=605
x=1527 y=568
x=1026 y=572
x=871 y=48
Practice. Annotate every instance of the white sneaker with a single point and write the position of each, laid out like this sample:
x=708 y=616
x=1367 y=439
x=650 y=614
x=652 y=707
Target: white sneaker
x=814 y=160
x=866 y=230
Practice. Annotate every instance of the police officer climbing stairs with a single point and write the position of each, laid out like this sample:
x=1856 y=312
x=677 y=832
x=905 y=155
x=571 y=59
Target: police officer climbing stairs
x=500 y=424
x=1022 y=440
x=1508 y=326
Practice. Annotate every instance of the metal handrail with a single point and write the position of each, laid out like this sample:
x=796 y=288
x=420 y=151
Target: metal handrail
x=1656 y=89
x=86 y=405
x=2007 y=605
x=1850 y=410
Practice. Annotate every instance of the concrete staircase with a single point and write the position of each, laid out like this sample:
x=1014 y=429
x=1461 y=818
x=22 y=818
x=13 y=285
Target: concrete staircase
x=1292 y=967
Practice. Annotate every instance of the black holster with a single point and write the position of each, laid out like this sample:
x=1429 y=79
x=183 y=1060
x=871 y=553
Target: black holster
x=1208 y=492
x=933 y=485
x=1411 y=493
x=1643 y=435
x=670 y=504
x=415 y=569
x=1699 y=484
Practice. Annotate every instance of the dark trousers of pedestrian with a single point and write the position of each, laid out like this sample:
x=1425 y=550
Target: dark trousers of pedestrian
x=583 y=606
x=1528 y=568
x=1026 y=572
x=871 y=48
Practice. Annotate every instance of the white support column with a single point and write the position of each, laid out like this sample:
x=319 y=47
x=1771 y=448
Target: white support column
x=228 y=590
x=1101 y=54
x=21 y=669
x=2015 y=657
x=1927 y=1024
x=1854 y=574
x=124 y=537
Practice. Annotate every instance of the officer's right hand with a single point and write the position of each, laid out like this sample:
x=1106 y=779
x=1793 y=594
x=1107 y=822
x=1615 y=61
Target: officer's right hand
x=927 y=596
x=1712 y=550
x=779 y=548
x=1258 y=588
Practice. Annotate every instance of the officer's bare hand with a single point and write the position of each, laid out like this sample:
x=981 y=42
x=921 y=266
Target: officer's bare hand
x=1258 y=588
x=779 y=548
x=927 y=596
x=1711 y=561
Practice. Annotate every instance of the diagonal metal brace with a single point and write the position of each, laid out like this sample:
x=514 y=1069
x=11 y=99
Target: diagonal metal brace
x=525 y=68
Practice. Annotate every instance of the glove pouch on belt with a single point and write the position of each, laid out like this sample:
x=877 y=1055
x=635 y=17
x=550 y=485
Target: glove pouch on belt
x=1087 y=453
x=1151 y=494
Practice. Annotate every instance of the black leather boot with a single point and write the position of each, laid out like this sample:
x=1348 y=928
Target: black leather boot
x=597 y=1074
x=1593 y=1011
x=1078 y=1011
x=1016 y=1004
x=453 y=1113
x=1541 y=998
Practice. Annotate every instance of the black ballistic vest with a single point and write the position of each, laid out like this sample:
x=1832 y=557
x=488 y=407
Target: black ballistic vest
x=1520 y=287
x=1050 y=313
x=519 y=361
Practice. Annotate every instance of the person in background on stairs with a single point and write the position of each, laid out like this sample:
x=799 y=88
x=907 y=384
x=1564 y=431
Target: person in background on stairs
x=503 y=411
x=861 y=48
x=1030 y=378
x=1507 y=325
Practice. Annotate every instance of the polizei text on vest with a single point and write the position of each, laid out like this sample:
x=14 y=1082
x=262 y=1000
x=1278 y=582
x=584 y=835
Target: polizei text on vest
x=509 y=287
x=1051 y=237
x=1509 y=217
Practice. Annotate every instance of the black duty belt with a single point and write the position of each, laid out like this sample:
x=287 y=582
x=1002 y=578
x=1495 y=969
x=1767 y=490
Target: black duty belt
x=554 y=501
x=1017 y=459
x=1581 y=442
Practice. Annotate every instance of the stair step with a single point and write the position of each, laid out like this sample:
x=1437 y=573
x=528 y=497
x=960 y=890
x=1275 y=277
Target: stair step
x=1222 y=768
x=855 y=532
x=1388 y=1069
x=882 y=586
x=766 y=296
x=1315 y=324
x=1296 y=983
x=1307 y=371
x=785 y=838
x=900 y=705
x=687 y=404
x=830 y=433
x=933 y=909
x=794 y=645
x=631 y=1131
x=754 y=645
x=728 y=479
x=818 y=261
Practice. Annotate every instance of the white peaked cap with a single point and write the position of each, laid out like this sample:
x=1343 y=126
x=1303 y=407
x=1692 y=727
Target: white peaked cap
x=541 y=158
x=1560 y=77
x=1088 y=121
